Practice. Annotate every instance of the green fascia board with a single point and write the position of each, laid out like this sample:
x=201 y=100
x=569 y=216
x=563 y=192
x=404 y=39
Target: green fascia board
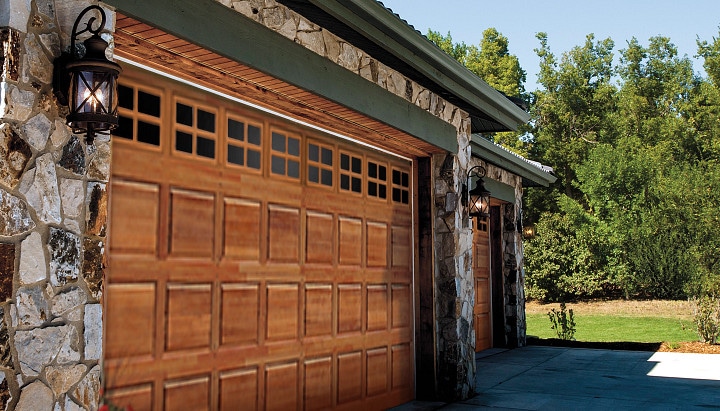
x=215 y=27
x=500 y=190
x=375 y=22
x=494 y=154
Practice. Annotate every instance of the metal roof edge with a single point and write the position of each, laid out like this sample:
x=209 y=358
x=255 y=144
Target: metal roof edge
x=495 y=154
x=378 y=24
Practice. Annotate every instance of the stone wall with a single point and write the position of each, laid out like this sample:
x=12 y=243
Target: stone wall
x=52 y=222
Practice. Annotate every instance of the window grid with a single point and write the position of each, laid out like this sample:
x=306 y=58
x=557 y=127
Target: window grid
x=285 y=154
x=377 y=180
x=195 y=130
x=140 y=116
x=400 y=186
x=351 y=173
x=244 y=143
x=320 y=159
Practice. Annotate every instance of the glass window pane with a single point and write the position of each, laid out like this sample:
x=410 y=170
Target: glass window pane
x=148 y=133
x=293 y=146
x=206 y=147
x=345 y=182
x=184 y=114
x=253 y=135
x=372 y=170
x=313 y=174
x=382 y=173
x=183 y=141
x=278 y=142
x=396 y=195
x=126 y=98
x=344 y=161
x=396 y=177
x=405 y=199
x=313 y=152
x=356 y=185
x=293 y=169
x=327 y=178
x=356 y=165
x=405 y=180
x=383 y=191
x=253 y=159
x=236 y=155
x=125 y=128
x=278 y=165
x=327 y=156
x=236 y=130
x=372 y=188
x=148 y=104
x=206 y=121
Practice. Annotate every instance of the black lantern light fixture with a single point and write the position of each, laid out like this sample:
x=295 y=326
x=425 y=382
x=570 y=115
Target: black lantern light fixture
x=477 y=199
x=88 y=84
x=529 y=231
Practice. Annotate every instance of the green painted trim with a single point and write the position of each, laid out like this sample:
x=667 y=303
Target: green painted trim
x=375 y=22
x=494 y=154
x=500 y=190
x=213 y=26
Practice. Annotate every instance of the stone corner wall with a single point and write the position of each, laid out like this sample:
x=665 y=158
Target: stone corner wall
x=53 y=219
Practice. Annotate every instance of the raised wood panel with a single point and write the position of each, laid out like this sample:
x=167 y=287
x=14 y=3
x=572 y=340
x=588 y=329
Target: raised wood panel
x=401 y=246
x=242 y=229
x=281 y=387
x=137 y=398
x=401 y=366
x=188 y=316
x=400 y=305
x=377 y=244
x=377 y=307
x=191 y=394
x=240 y=311
x=284 y=234
x=350 y=241
x=349 y=307
x=129 y=307
x=318 y=383
x=377 y=371
x=349 y=377
x=283 y=307
x=134 y=211
x=239 y=390
x=320 y=245
x=192 y=231
x=318 y=310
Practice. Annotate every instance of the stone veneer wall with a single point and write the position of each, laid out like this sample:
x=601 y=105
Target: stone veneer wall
x=52 y=222
x=454 y=284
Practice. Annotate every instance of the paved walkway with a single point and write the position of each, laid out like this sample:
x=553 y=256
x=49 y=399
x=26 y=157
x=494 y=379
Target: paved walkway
x=552 y=378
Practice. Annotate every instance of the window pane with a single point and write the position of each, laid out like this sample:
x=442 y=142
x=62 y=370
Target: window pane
x=253 y=159
x=236 y=130
x=345 y=161
x=148 y=104
x=206 y=121
x=293 y=169
x=125 y=128
x=372 y=170
x=313 y=152
x=396 y=195
x=206 y=147
x=236 y=155
x=278 y=165
x=396 y=179
x=183 y=142
x=327 y=178
x=254 y=135
x=148 y=133
x=313 y=174
x=356 y=185
x=372 y=188
x=278 y=142
x=125 y=97
x=405 y=180
x=383 y=191
x=356 y=165
x=405 y=199
x=293 y=146
x=327 y=156
x=382 y=173
x=184 y=114
x=345 y=182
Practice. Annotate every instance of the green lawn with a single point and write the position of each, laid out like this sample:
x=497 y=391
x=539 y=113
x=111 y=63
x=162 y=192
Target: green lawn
x=606 y=328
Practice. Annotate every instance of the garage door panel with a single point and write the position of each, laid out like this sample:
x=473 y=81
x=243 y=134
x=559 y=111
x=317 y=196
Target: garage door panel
x=318 y=310
x=401 y=366
x=192 y=231
x=188 y=316
x=318 y=383
x=350 y=241
x=130 y=307
x=401 y=246
x=281 y=386
x=283 y=307
x=349 y=308
x=239 y=387
x=240 y=311
x=319 y=238
x=377 y=371
x=139 y=397
x=349 y=377
x=242 y=229
x=284 y=234
x=136 y=205
x=377 y=307
x=400 y=305
x=377 y=244
x=188 y=394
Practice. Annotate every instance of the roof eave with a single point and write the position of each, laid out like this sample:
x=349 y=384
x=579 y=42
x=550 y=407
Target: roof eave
x=492 y=153
x=378 y=24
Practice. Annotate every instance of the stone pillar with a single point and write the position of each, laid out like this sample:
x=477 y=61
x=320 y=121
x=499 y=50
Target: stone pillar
x=52 y=222
x=513 y=274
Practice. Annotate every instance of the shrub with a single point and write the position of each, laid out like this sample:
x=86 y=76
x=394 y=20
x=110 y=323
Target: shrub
x=563 y=322
x=706 y=313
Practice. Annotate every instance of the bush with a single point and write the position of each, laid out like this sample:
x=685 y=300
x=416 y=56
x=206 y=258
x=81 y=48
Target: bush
x=706 y=313
x=563 y=322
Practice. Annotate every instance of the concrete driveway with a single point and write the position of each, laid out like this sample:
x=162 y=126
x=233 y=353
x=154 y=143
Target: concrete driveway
x=553 y=378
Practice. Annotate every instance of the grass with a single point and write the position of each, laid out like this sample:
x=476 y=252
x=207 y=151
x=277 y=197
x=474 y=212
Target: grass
x=620 y=321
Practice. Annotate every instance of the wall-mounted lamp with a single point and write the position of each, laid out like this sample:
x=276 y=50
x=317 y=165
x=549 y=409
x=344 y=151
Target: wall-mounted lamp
x=528 y=231
x=88 y=84
x=477 y=199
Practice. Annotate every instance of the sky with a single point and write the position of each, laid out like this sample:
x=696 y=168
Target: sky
x=567 y=23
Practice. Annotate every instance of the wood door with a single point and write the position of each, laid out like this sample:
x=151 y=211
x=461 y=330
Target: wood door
x=252 y=264
x=482 y=312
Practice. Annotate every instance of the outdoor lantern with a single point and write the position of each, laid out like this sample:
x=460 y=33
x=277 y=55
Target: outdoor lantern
x=88 y=85
x=529 y=231
x=477 y=199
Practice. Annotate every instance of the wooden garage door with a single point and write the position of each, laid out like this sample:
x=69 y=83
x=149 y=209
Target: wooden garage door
x=253 y=264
